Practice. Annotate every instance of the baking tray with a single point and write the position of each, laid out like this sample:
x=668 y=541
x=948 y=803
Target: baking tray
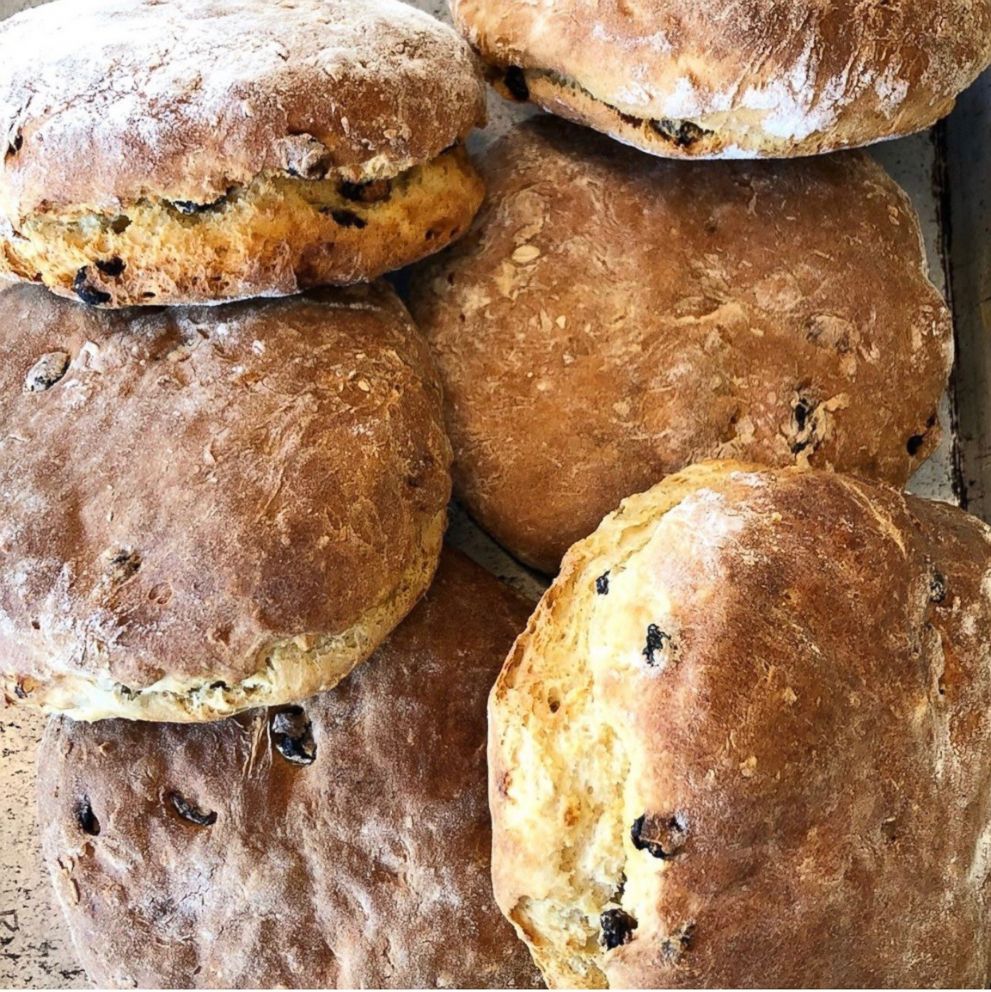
x=944 y=171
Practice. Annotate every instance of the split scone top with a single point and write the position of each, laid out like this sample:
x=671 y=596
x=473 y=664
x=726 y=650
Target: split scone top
x=721 y=78
x=611 y=318
x=745 y=740
x=341 y=844
x=210 y=509
x=181 y=152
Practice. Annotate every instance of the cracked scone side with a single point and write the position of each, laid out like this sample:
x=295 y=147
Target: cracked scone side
x=748 y=79
x=734 y=721
x=274 y=237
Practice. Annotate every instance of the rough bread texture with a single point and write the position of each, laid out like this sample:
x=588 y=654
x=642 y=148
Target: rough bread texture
x=743 y=741
x=210 y=509
x=612 y=318
x=344 y=844
x=274 y=237
x=202 y=123
x=682 y=79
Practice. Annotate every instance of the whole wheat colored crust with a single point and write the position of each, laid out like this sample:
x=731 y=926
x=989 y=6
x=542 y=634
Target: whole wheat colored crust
x=756 y=78
x=346 y=846
x=611 y=318
x=744 y=741
x=210 y=509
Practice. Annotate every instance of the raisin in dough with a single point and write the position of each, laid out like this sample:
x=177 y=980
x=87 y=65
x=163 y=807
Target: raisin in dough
x=206 y=510
x=182 y=152
x=340 y=844
x=745 y=741
x=612 y=318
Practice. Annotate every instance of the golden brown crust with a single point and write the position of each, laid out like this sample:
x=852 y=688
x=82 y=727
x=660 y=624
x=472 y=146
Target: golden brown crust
x=215 y=142
x=183 y=100
x=612 y=318
x=210 y=509
x=804 y=730
x=367 y=867
x=775 y=78
x=272 y=238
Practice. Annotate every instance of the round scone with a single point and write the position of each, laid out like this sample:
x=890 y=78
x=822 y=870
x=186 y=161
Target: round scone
x=722 y=79
x=210 y=509
x=745 y=740
x=612 y=318
x=341 y=844
x=192 y=151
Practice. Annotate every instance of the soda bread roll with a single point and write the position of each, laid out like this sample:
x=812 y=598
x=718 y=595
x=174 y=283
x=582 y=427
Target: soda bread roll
x=612 y=318
x=341 y=844
x=192 y=151
x=744 y=741
x=722 y=79
x=211 y=509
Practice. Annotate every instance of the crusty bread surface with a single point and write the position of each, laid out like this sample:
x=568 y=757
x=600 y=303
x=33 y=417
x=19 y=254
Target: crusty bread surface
x=341 y=844
x=722 y=79
x=184 y=152
x=210 y=509
x=743 y=742
x=611 y=318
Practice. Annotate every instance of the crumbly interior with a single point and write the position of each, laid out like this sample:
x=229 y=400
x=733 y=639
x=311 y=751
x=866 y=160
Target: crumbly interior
x=572 y=758
x=289 y=669
x=279 y=234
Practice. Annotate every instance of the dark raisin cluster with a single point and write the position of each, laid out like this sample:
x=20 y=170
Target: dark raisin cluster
x=292 y=736
x=683 y=134
x=189 y=811
x=86 y=818
x=617 y=928
x=660 y=837
x=655 y=642
x=88 y=293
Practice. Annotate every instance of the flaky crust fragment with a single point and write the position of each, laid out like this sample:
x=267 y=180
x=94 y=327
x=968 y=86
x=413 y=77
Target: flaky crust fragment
x=194 y=151
x=360 y=861
x=210 y=509
x=777 y=78
x=611 y=318
x=745 y=737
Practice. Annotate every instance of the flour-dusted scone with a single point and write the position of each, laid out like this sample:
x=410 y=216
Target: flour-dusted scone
x=682 y=78
x=197 y=151
x=341 y=844
x=210 y=509
x=612 y=318
x=745 y=741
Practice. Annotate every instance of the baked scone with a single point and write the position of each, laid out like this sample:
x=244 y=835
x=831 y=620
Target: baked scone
x=745 y=741
x=184 y=152
x=612 y=318
x=764 y=78
x=210 y=509
x=341 y=844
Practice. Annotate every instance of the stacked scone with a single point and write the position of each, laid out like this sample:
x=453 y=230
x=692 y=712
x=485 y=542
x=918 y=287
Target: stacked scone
x=745 y=739
x=211 y=509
